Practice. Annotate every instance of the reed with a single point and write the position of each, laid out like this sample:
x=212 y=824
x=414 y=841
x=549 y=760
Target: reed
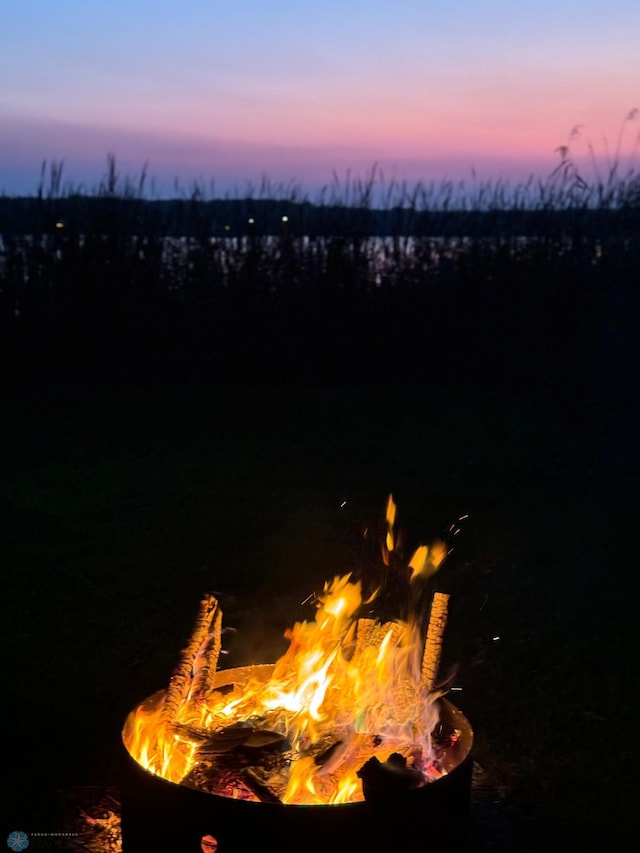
x=116 y=268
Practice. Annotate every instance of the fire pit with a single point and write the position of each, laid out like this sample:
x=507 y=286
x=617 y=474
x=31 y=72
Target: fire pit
x=346 y=742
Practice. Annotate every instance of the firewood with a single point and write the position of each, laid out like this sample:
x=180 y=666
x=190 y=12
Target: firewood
x=364 y=629
x=264 y=792
x=384 y=782
x=433 y=645
x=182 y=676
x=370 y=634
x=206 y=663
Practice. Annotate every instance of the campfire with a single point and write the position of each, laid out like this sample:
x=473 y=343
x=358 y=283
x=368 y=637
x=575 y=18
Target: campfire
x=350 y=711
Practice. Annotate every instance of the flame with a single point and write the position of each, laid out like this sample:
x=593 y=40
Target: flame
x=427 y=560
x=391 y=521
x=347 y=685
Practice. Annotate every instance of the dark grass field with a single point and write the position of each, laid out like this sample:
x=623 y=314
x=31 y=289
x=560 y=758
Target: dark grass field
x=131 y=483
x=121 y=506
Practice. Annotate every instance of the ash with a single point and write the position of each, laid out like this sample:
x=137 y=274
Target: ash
x=93 y=815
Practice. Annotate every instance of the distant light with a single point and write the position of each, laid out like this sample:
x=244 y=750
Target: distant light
x=227 y=228
x=285 y=218
x=251 y=221
x=495 y=639
x=456 y=689
x=59 y=224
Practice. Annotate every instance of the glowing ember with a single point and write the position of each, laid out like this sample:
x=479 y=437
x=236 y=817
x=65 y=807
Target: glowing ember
x=349 y=693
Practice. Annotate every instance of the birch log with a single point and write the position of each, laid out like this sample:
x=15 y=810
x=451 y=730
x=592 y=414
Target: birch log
x=433 y=644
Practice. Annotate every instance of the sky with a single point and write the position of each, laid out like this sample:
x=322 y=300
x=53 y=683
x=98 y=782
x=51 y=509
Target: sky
x=220 y=95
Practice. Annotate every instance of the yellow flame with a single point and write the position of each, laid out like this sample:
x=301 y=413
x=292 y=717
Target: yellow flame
x=426 y=561
x=391 y=521
x=326 y=687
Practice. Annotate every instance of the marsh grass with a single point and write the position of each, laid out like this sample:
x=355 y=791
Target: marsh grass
x=112 y=280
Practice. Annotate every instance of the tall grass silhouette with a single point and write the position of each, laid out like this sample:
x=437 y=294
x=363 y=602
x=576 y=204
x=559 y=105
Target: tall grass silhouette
x=115 y=271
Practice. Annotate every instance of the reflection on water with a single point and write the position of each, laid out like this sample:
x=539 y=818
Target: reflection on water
x=370 y=262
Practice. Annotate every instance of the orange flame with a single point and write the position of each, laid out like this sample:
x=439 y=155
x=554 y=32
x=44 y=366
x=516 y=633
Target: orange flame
x=426 y=561
x=391 y=521
x=354 y=684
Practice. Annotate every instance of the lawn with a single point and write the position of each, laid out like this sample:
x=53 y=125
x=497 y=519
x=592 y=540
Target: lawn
x=122 y=505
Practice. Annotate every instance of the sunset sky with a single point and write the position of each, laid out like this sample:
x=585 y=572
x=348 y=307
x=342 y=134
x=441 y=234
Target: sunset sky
x=206 y=91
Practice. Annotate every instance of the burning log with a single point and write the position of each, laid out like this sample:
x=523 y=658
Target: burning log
x=262 y=791
x=433 y=645
x=351 y=714
x=206 y=662
x=370 y=635
x=198 y=660
x=330 y=756
x=364 y=629
x=384 y=780
x=347 y=690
